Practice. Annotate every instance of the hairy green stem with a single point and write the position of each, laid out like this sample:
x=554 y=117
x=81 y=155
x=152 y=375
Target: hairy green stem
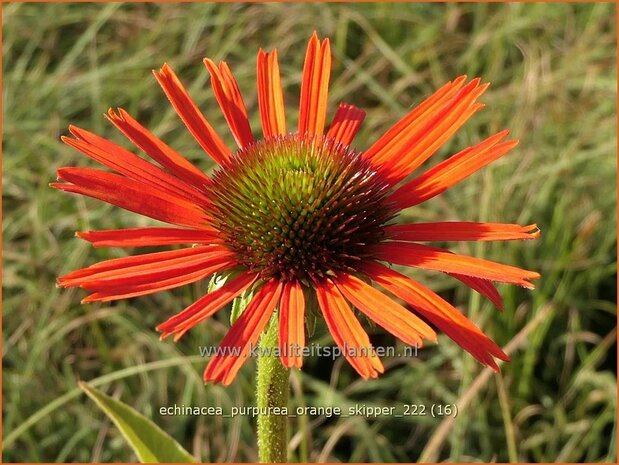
x=272 y=399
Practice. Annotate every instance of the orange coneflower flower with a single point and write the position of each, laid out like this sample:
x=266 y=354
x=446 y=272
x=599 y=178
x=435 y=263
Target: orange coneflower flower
x=293 y=214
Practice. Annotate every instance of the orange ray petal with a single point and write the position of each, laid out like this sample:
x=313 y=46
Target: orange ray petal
x=436 y=133
x=384 y=311
x=292 y=324
x=396 y=138
x=236 y=345
x=195 y=121
x=130 y=165
x=146 y=237
x=135 y=276
x=230 y=101
x=125 y=290
x=347 y=332
x=142 y=264
x=451 y=171
x=420 y=143
x=131 y=195
x=155 y=148
x=315 y=87
x=205 y=306
x=434 y=258
x=439 y=312
x=483 y=286
x=134 y=260
x=461 y=231
x=270 y=95
x=346 y=123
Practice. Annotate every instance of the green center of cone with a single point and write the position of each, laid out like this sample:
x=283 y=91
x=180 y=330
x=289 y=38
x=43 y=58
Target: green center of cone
x=299 y=208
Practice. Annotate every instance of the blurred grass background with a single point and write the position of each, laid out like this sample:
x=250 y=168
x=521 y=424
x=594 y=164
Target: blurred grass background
x=552 y=68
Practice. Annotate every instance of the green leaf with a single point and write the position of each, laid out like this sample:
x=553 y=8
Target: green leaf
x=150 y=443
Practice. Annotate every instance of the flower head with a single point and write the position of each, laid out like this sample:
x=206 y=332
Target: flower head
x=295 y=215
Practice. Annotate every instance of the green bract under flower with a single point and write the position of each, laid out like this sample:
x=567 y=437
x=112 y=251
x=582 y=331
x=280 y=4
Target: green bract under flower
x=299 y=208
